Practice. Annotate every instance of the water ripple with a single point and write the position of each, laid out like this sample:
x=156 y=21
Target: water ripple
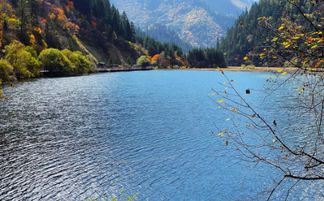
x=145 y=132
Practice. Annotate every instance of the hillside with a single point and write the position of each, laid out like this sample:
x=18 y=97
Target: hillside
x=67 y=24
x=198 y=23
x=250 y=35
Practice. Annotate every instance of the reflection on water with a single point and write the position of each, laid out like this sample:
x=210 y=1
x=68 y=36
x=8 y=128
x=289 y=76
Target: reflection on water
x=149 y=133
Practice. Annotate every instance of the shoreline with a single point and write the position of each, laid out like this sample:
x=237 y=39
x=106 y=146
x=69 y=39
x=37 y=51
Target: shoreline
x=113 y=70
x=243 y=69
x=116 y=70
x=150 y=68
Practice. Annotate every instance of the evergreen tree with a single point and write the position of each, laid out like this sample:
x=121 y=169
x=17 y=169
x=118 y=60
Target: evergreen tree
x=206 y=58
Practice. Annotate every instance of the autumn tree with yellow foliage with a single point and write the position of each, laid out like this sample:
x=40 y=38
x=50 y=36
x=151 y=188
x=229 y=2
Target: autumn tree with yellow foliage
x=297 y=43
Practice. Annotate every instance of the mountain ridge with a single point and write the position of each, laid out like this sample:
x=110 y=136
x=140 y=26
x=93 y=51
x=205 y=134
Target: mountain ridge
x=199 y=23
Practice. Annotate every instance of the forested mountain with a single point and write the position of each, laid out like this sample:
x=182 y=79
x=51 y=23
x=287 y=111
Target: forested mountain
x=96 y=28
x=93 y=27
x=250 y=35
x=197 y=22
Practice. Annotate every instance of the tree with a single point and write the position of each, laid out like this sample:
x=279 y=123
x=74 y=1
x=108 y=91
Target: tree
x=55 y=62
x=6 y=71
x=143 y=61
x=24 y=63
x=155 y=59
x=24 y=14
x=80 y=63
x=128 y=32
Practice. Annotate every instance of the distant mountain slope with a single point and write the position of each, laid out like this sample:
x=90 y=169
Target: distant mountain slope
x=166 y=35
x=197 y=22
x=228 y=7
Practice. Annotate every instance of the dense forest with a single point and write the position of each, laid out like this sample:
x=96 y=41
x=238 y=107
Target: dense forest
x=206 y=58
x=251 y=34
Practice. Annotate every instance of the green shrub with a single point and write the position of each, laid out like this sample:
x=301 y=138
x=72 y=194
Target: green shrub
x=55 y=61
x=31 y=50
x=81 y=64
x=6 y=71
x=24 y=63
x=143 y=61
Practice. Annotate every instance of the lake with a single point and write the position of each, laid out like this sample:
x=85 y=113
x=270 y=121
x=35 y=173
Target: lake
x=149 y=134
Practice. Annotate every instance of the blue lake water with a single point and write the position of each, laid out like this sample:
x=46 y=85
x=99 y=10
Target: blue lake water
x=143 y=133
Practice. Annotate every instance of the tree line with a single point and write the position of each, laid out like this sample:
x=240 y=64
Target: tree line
x=206 y=58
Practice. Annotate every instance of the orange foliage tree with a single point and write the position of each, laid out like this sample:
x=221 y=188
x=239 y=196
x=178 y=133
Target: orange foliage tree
x=155 y=59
